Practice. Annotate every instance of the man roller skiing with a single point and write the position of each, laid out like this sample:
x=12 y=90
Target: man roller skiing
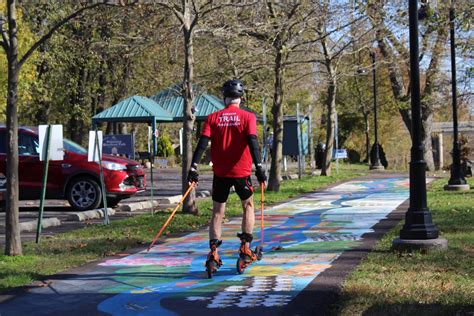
x=233 y=135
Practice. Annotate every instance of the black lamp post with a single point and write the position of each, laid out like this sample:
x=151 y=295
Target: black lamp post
x=419 y=230
x=376 y=165
x=457 y=180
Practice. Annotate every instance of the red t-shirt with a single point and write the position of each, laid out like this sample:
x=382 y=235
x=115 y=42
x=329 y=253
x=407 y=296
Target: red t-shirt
x=228 y=130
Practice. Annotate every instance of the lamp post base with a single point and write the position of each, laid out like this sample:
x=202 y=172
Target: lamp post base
x=439 y=244
x=457 y=187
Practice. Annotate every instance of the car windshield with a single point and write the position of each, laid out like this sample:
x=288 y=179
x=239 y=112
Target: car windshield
x=71 y=146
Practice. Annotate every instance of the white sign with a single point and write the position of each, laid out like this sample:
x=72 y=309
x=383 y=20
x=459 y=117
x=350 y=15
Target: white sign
x=340 y=154
x=56 y=144
x=93 y=150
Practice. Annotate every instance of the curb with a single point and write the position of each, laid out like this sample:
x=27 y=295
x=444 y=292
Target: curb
x=129 y=207
x=97 y=213
x=204 y=193
x=47 y=222
x=138 y=206
x=174 y=199
x=294 y=176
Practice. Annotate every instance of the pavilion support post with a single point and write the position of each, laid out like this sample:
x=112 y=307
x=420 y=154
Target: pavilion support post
x=152 y=161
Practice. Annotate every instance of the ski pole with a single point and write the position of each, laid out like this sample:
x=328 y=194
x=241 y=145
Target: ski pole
x=259 y=248
x=171 y=216
x=262 y=200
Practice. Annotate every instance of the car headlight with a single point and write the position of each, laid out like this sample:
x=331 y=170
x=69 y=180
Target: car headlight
x=113 y=165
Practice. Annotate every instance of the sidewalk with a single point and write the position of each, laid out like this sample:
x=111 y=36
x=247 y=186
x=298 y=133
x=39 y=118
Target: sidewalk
x=311 y=243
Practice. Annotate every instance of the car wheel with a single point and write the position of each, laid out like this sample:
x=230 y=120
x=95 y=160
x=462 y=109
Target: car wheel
x=112 y=202
x=84 y=193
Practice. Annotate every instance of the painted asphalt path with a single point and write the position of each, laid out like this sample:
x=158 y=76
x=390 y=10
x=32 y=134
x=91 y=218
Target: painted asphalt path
x=303 y=238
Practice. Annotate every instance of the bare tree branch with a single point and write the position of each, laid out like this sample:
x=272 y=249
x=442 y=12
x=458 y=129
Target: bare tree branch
x=292 y=12
x=432 y=73
x=321 y=36
x=259 y=36
x=235 y=5
x=5 y=43
x=175 y=9
x=343 y=48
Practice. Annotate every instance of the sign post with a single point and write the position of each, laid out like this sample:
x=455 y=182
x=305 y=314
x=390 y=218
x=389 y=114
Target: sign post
x=337 y=144
x=50 y=142
x=45 y=179
x=299 y=140
x=95 y=154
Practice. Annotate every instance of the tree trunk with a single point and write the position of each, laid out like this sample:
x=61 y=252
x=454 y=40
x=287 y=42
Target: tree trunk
x=12 y=221
x=331 y=122
x=189 y=204
x=277 y=112
x=426 y=128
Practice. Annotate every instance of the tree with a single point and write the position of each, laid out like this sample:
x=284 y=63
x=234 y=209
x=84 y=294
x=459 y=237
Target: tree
x=281 y=30
x=394 y=51
x=90 y=63
x=334 y=46
x=189 y=13
x=9 y=43
x=28 y=74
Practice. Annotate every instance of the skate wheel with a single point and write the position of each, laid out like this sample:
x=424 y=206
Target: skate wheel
x=259 y=252
x=240 y=265
x=211 y=267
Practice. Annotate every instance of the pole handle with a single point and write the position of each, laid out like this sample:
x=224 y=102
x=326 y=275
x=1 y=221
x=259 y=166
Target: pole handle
x=171 y=216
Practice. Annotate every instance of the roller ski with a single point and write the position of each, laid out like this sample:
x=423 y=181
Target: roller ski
x=246 y=255
x=213 y=261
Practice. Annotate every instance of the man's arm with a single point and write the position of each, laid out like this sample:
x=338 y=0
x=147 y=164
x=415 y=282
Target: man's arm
x=257 y=160
x=200 y=148
x=193 y=175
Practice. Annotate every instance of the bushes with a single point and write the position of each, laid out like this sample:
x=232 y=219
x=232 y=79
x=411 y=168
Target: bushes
x=164 y=146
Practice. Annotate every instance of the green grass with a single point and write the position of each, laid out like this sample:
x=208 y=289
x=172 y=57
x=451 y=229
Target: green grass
x=71 y=249
x=434 y=283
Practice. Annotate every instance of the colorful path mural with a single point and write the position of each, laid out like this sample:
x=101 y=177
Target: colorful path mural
x=302 y=238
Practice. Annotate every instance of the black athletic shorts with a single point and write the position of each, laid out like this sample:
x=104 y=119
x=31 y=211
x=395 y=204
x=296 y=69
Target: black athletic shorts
x=221 y=188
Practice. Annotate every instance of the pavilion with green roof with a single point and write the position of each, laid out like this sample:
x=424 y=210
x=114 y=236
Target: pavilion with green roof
x=171 y=99
x=164 y=107
x=135 y=109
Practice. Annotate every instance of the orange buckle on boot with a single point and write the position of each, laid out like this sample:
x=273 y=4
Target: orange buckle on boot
x=247 y=252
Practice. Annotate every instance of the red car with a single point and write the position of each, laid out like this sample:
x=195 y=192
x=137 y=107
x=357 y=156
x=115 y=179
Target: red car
x=74 y=178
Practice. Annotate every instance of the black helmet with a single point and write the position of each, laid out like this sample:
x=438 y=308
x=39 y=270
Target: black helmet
x=233 y=89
